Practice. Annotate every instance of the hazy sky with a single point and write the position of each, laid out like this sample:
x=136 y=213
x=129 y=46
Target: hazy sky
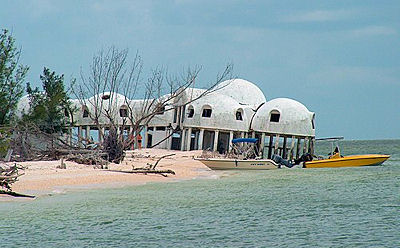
x=339 y=58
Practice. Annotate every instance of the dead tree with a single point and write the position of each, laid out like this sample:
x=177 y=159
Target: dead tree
x=111 y=72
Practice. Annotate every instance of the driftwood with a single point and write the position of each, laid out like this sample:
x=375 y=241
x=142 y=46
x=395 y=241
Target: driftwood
x=15 y=194
x=8 y=175
x=153 y=167
x=96 y=158
x=150 y=169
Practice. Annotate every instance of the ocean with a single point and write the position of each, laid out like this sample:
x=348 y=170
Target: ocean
x=343 y=207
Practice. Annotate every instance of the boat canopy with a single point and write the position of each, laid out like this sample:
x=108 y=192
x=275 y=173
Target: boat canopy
x=244 y=140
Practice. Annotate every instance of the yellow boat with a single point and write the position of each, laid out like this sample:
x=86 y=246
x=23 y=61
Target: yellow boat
x=348 y=161
x=336 y=160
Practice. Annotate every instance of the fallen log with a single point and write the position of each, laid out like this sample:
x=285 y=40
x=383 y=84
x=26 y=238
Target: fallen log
x=15 y=194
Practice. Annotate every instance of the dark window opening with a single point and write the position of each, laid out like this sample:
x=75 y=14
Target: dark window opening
x=239 y=116
x=123 y=112
x=85 y=113
x=150 y=128
x=275 y=117
x=160 y=128
x=105 y=97
x=206 y=112
x=190 y=112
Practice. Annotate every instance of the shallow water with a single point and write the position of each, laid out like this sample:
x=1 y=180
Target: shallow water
x=343 y=207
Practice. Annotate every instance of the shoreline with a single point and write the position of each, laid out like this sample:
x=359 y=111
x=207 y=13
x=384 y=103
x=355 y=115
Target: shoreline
x=42 y=178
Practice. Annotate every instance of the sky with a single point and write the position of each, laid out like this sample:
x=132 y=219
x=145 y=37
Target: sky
x=341 y=59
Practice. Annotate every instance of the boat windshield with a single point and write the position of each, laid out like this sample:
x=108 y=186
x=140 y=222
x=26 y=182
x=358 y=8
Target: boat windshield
x=335 y=150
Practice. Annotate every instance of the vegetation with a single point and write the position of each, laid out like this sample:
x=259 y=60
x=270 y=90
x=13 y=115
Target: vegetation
x=50 y=109
x=12 y=76
x=39 y=133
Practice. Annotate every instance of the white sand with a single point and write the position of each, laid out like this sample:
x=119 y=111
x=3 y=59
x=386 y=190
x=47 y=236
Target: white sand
x=42 y=177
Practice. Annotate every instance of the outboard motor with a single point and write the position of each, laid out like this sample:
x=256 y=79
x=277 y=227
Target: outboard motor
x=281 y=161
x=304 y=158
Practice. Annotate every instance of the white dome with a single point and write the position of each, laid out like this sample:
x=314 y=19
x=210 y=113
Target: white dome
x=107 y=97
x=188 y=95
x=294 y=118
x=223 y=114
x=103 y=99
x=243 y=91
x=23 y=106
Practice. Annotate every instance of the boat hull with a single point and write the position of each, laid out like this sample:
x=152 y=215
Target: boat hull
x=236 y=164
x=348 y=161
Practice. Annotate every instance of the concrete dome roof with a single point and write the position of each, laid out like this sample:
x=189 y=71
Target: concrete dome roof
x=223 y=114
x=106 y=97
x=243 y=91
x=294 y=118
x=23 y=106
x=115 y=99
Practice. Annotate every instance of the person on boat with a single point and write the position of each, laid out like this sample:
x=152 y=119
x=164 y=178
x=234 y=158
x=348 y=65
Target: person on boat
x=335 y=154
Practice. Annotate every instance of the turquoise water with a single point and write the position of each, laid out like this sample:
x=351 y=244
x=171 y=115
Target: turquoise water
x=344 y=207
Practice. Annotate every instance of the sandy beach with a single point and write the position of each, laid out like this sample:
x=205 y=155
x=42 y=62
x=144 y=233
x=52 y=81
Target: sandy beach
x=44 y=178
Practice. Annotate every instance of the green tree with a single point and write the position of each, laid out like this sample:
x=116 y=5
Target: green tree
x=12 y=76
x=51 y=109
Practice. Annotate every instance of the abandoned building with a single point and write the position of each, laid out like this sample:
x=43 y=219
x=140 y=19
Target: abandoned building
x=237 y=108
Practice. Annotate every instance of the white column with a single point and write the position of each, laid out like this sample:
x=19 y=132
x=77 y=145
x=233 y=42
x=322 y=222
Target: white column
x=183 y=139
x=102 y=132
x=230 y=141
x=188 y=138
x=253 y=134
x=312 y=145
x=87 y=134
x=167 y=133
x=298 y=147
x=242 y=134
x=262 y=144
x=290 y=155
x=305 y=146
x=178 y=120
x=70 y=136
x=201 y=137
x=215 y=140
x=276 y=144
x=79 y=136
